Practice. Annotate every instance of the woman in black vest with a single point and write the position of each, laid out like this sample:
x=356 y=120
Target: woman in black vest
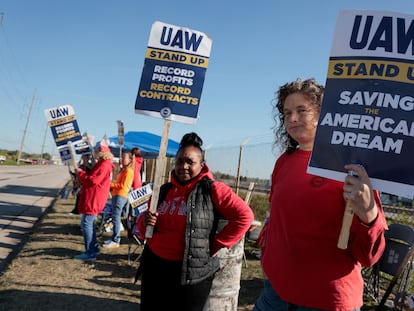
x=180 y=259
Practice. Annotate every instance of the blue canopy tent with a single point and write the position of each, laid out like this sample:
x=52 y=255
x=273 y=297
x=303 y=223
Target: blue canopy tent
x=148 y=143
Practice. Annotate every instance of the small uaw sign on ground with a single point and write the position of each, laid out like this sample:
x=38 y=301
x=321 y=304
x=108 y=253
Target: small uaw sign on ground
x=367 y=115
x=64 y=127
x=172 y=79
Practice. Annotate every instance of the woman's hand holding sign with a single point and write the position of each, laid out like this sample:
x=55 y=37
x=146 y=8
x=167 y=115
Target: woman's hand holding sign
x=150 y=219
x=359 y=194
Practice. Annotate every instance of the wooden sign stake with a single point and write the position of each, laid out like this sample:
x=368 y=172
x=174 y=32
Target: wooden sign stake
x=159 y=172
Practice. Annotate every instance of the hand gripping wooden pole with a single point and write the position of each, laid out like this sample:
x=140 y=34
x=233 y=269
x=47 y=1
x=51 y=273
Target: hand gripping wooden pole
x=346 y=222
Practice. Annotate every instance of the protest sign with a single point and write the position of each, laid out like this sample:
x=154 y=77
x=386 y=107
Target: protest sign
x=65 y=130
x=173 y=75
x=138 y=198
x=120 y=133
x=367 y=112
x=120 y=136
x=65 y=154
x=62 y=122
x=84 y=146
x=171 y=83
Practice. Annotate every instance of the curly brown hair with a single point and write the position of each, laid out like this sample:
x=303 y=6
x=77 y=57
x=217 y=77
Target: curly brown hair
x=308 y=87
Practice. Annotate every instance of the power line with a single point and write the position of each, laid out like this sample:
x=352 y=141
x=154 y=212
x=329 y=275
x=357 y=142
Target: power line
x=13 y=61
x=252 y=140
x=13 y=83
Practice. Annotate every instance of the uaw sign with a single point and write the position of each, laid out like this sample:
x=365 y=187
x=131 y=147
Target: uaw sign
x=64 y=153
x=63 y=124
x=138 y=198
x=173 y=75
x=367 y=114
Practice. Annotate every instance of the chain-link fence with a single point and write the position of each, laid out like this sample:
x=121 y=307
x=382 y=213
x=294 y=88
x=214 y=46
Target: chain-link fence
x=242 y=164
x=398 y=209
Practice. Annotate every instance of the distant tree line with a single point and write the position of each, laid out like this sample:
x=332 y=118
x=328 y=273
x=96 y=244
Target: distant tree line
x=260 y=184
x=220 y=175
x=13 y=154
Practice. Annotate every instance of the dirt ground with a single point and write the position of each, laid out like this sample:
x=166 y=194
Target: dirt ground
x=44 y=276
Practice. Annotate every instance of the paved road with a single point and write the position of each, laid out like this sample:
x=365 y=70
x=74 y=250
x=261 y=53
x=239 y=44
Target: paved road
x=25 y=193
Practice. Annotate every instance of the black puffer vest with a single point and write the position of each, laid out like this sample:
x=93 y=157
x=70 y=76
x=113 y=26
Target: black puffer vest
x=202 y=225
x=202 y=221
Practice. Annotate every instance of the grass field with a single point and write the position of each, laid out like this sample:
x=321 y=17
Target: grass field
x=44 y=276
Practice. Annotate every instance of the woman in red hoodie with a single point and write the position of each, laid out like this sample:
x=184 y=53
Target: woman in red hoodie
x=180 y=259
x=94 y=192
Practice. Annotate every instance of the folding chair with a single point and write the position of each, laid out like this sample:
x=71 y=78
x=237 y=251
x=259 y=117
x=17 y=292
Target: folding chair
x=105 y=223
x=135 y=240
x=138 y=200
x=388 y=280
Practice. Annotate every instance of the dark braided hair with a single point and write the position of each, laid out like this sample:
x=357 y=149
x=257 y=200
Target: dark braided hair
x=191 y=140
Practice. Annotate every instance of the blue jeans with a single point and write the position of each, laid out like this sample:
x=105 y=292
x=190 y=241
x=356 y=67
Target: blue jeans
x=118 y=204
x=269 y=300
x=89 y=234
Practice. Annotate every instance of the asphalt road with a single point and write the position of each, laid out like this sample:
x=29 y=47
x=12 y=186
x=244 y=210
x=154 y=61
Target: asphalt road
x=25 y=193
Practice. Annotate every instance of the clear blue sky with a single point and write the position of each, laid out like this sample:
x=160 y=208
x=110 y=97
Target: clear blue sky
x=90 y=54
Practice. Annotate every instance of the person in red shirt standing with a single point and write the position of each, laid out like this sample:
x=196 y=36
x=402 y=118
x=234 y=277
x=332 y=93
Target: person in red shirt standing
x=95 y=186
x=180 y=259
x=86 y=163
x=304 y=268
x=137 y=182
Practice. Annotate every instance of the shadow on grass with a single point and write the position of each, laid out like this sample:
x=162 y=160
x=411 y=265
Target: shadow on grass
x=250 y=290
x=13 y=300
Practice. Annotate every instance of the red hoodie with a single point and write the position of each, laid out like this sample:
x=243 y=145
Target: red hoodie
x=137 y=182
x=168 y=240
x=95 y=187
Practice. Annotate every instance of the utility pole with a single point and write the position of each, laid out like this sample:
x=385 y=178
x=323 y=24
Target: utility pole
x=25 y=129
x=239 y=165
x=43 y=145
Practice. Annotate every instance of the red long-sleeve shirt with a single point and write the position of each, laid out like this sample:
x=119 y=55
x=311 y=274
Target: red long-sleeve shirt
x=301 y=257
x=95 y=187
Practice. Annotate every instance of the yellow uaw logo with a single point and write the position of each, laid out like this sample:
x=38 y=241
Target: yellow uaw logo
x=397 y=71
x=62 y=120
x=140 y=201
x=177 y=57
